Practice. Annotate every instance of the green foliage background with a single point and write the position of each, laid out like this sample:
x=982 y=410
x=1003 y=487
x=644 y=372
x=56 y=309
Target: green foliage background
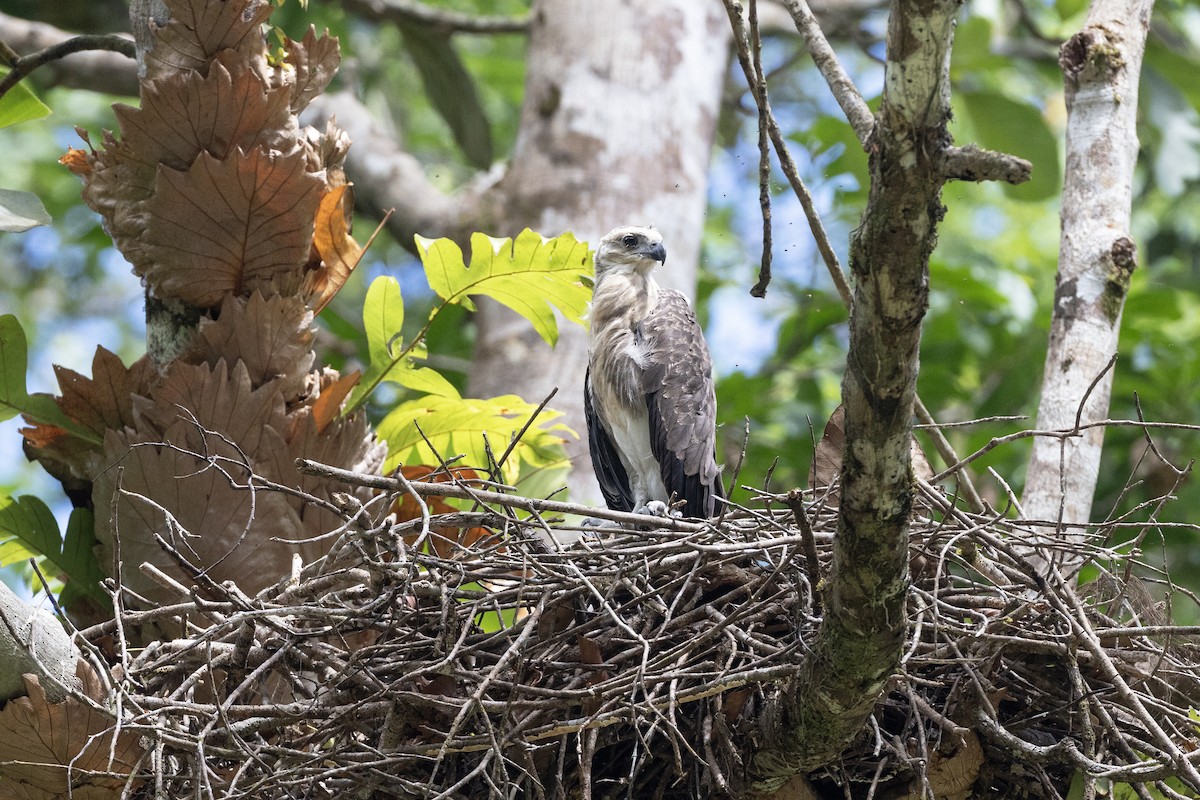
x=780 y=359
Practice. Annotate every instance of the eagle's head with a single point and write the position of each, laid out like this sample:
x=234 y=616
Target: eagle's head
x=630 y=249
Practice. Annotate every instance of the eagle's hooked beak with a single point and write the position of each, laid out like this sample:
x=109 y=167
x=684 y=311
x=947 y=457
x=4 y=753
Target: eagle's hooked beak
x=656 y=251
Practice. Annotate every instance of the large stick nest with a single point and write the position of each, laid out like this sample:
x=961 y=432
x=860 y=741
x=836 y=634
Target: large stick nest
x=643 y=663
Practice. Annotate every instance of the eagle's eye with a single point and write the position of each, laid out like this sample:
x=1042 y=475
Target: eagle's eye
x=629 y=240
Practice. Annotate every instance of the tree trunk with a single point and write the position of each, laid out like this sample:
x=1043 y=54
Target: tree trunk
x=620 y=111
x=862 y=634
x=1101 y=65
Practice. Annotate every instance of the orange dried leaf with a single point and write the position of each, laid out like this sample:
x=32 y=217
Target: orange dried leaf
x=447 y=542
x=227 y=226
x=77 y=161
x=40 y=435
x=327 y=405
x=52 y=749
x=339 y=252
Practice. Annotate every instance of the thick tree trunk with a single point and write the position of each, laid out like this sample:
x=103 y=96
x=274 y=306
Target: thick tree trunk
x=1101 y=65
x=862 y=634
x=620 y=111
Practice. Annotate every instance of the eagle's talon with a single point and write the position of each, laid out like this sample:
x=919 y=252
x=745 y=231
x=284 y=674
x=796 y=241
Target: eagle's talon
x=656 y=508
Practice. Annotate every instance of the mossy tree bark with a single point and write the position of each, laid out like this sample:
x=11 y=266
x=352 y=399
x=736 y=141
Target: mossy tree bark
x=862 y=634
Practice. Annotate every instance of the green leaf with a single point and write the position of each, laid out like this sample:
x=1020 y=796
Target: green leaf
x=530 y=275
x=383 y=318
x=973 y=48
x=78 y=562
x=19 y=104
x=1176 y=68
x=27 y=529
x=14 y=399
x=1001 y=123
x=431 y=429
x=451 y=90
x=20 y=211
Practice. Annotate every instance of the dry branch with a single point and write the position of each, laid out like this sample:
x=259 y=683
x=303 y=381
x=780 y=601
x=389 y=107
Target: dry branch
x=640 y=662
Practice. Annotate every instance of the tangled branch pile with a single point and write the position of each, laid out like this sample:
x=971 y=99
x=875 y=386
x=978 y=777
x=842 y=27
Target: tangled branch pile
x=641 y=663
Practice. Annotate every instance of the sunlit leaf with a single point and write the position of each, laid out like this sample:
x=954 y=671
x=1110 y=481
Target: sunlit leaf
x=383 y=319
x=432 y=429
x=19 y=104
x=530 y=275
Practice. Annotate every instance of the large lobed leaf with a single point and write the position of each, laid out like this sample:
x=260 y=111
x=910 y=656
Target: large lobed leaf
x=531 y=275
x=432 y=429
x=67 y=749
x=223 y=227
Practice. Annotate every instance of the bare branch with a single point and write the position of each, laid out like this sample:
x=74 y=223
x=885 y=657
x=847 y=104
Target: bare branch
x=973 y=163
x=860 y=640
x=844 y=91
x=443 y=20
x=741 y=38
x=96 y=63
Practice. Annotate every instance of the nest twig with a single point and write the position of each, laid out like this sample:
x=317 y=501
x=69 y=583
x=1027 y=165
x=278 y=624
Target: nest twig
x=641 y=661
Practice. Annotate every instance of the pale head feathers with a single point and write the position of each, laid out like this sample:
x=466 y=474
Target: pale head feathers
x=630 y=248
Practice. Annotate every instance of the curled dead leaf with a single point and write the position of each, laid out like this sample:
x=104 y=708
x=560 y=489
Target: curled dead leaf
x=77 y=161
x=446 y=542
x=337 y=249
x=325 y=408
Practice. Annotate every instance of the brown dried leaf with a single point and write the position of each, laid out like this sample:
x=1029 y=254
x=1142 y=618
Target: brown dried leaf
x=48 y=749
x=105 y=400
x=77 y=161
x=197 y=32
x=329 y=402
x=227 y=226
x=99 y=403
x=589 y=653
x=347 y=443
x=186 y=113
x=117 y=188
x=339 y=252
x=225 y=528
x=827 y=459
x=952 y=777
x=271 y=335
x=218 y=399
x=447 y=542
x=315 y=60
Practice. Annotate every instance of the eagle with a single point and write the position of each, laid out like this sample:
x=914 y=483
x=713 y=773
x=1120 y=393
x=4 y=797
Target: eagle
x=648 y=393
